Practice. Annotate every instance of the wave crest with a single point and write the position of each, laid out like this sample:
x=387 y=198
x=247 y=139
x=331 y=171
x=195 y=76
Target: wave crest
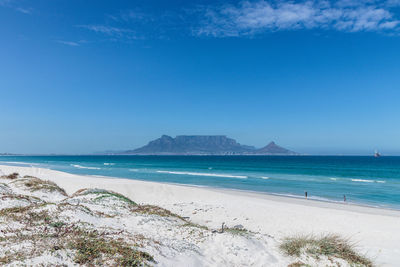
x=362 y=180
x=204 y=174
x=84 y=167
x=368 y=181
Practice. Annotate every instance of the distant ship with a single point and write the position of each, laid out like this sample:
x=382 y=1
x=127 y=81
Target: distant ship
x=377 y=154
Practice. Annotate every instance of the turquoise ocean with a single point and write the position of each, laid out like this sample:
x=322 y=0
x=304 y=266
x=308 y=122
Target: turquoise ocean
x=364 y=180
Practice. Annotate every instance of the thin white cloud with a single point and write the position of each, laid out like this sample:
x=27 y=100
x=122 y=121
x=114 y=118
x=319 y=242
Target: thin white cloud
x=69 y=43
x=24 y=10
x=114 y=33
x=11 y=4
x=251 y=17
x=5 y=2
x=108 y=30
x=392 y=3
x=136 y=15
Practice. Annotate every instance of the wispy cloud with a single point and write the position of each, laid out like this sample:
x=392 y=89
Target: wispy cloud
x=24 y=10
x=105 y=29
x=12 y=4
x=393 y=2
x=112 y=32
x=135 y=15
x=68 y=43
x=252 y=17
x=5 y=2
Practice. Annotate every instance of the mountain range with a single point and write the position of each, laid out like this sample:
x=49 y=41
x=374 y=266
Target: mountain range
x=204 y=145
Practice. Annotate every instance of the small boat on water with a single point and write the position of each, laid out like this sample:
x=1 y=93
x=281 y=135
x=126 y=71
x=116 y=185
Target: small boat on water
x=377 y=154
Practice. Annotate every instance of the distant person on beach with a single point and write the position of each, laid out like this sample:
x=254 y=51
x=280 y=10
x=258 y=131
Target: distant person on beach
x=305 y=194
x=344 y=198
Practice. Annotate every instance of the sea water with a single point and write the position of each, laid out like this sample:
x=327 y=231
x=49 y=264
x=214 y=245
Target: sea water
x=362 y=179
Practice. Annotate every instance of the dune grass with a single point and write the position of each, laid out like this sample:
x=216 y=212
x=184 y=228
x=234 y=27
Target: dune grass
x=327 y=245
x=155 y=210
x=191 y=224
x=47 y=232
x=88 y=247
x=35 y=184
x=11 y=176
x=102 y=194
x=93 y=249
x=298 y=264
x=116 y=195
x=236 y=231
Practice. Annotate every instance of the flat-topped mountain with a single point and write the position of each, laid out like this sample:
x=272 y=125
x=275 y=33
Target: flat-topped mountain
x=204 y=145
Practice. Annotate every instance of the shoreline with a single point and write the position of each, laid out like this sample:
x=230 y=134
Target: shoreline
x=374 y=230
x=387 y=208
x=351 y=206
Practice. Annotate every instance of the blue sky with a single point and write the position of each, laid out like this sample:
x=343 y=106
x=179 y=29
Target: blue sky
x=318 y=77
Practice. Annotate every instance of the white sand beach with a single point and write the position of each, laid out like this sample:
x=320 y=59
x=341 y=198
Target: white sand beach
x=375 y=231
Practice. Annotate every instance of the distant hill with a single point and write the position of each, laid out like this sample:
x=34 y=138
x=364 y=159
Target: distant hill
x=273 y=148
x=204 y=145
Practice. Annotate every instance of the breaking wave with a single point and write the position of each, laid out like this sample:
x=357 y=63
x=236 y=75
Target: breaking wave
x=362 y=180
x=108 y=164
x=368 y=181
x=84 y=167
x=20 y=163
x=205 y=174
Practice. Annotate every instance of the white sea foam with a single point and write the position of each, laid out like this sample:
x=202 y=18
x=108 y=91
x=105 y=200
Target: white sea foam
x=205 y=174
x=368 y=181
x=362 y=180
x=309 y=197
x=108 y=164
x=20 y=163
x=100 y=176
x=265 y=177
x=133 y=170
x=84 y=167
x=333 y=179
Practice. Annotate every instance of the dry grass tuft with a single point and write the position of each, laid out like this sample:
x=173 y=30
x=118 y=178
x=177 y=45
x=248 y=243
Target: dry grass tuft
x=79 y=192
x=102 y=194
x=47 y=230
x=236 y=231
x=4 y=188
x=11 y=176
x=88 y=247
x=14 y=210
x=191 y=224
x=31 y=199
x=299 y=264
x=36 y=184
x=328 y=245
x=155 y=210
x=26 y=214
x=93 y=249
